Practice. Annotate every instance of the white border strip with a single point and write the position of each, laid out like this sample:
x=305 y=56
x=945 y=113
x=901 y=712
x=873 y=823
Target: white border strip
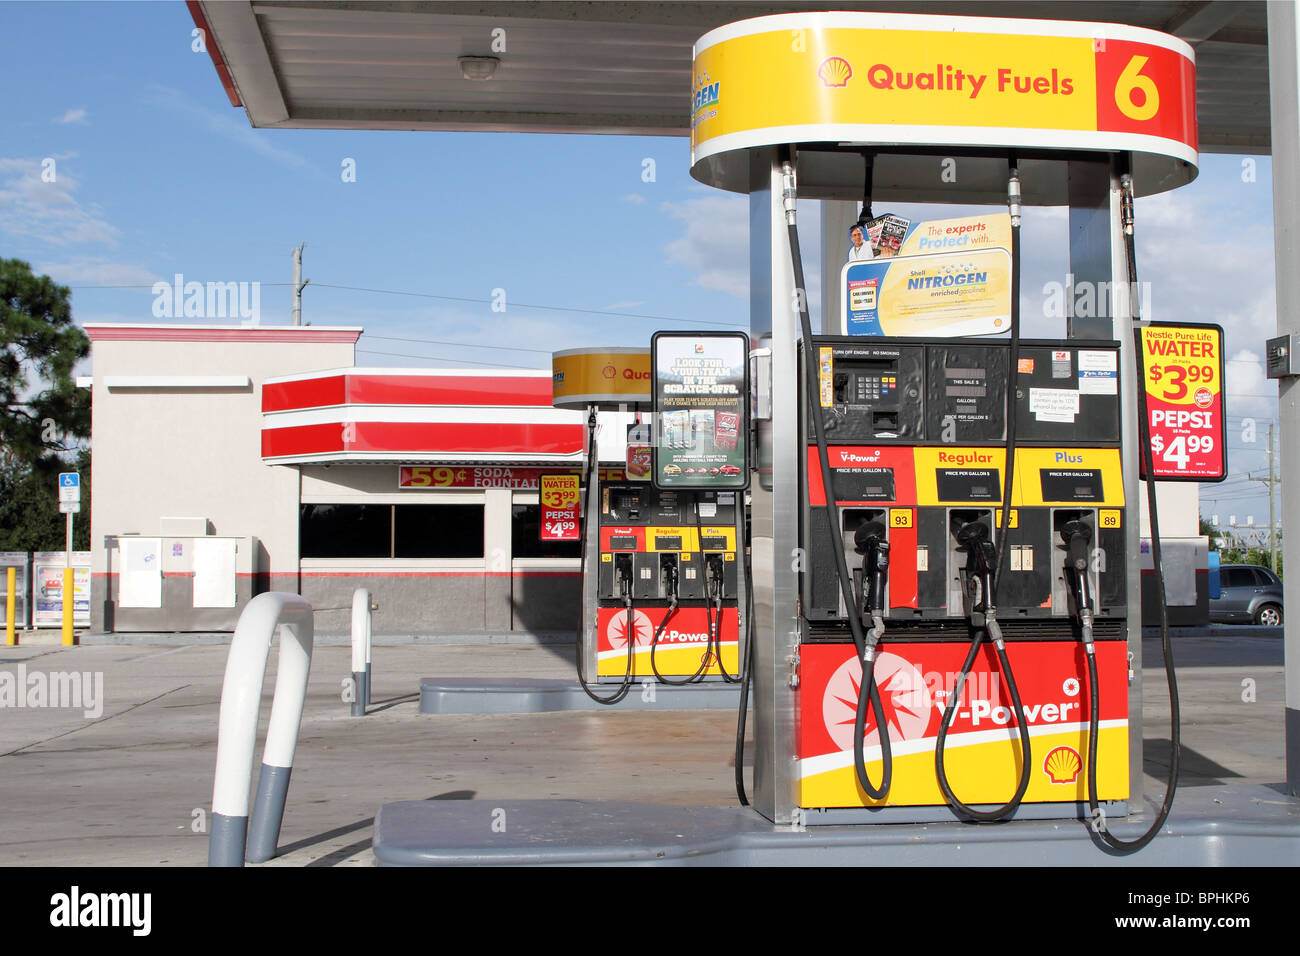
x=177 y=381
x=413 y=372
x=824 y=763
x=940 y=136
x=995 y=26
x=422 y=415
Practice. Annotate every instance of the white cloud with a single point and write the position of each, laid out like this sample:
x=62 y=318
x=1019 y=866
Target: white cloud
x=38 y=201
x=716 y=244
x=97 y=271
x=74 y=115
x=229 y=124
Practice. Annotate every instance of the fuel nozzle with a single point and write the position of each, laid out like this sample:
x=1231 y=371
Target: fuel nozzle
x=716 y=576
x=981 y=558
x=1077 y=536
x=623 y=569
x=668 y=576
x=870 y=542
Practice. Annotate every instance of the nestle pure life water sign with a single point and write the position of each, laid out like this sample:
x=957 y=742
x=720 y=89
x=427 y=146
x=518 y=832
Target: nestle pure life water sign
x=950 y=277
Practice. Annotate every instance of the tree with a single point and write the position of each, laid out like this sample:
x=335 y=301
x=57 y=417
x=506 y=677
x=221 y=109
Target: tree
x=29 y=508
x=42 y=412
x=44 y=417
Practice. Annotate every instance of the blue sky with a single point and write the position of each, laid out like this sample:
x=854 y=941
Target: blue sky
x=155 y=174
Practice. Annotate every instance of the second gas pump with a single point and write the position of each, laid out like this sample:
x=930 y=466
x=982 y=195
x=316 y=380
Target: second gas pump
x=662 y=530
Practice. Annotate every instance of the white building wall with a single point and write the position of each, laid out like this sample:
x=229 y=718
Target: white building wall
x=194 y=450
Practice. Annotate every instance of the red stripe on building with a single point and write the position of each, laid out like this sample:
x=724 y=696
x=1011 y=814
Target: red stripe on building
x=449 y=390
x=349 y=388
x=305 y=393
x=444 y=437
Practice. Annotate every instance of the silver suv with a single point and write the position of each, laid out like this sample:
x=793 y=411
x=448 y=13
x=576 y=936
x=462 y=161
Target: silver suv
x=1248 y=593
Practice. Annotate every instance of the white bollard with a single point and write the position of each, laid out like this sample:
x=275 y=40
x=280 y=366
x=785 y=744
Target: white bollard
x=361 y=625
x=241 y=696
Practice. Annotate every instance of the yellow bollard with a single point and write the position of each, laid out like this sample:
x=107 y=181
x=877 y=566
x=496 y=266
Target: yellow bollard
x=69 y=599
x=12 y=582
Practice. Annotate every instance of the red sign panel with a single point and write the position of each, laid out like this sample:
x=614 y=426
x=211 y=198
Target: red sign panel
x=561 y=504
x=1182 y=372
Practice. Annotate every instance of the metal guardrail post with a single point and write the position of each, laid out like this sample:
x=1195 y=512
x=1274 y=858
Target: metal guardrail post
x=241 y=695
x=11 y=582
x=361 y=627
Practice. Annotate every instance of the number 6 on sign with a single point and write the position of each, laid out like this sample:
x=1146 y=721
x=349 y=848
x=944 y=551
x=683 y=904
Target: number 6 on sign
x=1132 y=81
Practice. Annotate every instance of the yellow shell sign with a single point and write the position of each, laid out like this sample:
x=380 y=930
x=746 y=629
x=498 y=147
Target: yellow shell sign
x=602 y=376
x=931 y=80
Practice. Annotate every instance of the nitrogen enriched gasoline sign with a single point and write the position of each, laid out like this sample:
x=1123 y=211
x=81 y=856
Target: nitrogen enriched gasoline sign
x=1182 y=371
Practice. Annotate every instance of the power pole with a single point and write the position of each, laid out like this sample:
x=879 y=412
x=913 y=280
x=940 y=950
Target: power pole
x=1272 y=481
x=298 y=284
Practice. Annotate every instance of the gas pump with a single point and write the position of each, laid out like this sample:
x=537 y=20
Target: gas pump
x=918 y=425
x=661 y=585
x=683 y=579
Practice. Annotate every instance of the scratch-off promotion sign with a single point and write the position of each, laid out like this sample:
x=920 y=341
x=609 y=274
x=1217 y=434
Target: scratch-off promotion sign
x=1182 y=371
x=561 y=503
x=701 y=391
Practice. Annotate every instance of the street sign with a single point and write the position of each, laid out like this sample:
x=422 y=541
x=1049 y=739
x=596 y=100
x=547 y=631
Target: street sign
x=70 y=507
x=69 y=486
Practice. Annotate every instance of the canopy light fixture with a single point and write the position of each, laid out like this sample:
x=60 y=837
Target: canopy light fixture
x=478 y=67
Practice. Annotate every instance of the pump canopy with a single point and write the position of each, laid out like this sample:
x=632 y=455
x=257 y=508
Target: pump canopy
x=939 y=101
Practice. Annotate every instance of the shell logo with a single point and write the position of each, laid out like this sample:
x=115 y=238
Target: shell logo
x=904 y=696
x=1062 y=765
x=609 y=371
x=642 y=629
x=835 y=71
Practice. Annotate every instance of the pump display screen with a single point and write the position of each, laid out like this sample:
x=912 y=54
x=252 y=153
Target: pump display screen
x=863 y=484
x=968 y=484
x=1071 y=485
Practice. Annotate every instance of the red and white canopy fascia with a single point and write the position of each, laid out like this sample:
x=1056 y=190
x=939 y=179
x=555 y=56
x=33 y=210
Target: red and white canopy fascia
x=414 y=415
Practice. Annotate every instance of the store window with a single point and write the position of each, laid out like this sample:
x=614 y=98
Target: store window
x=345 y=531
x=391 y=531
x=525 y=536
x=438 y=531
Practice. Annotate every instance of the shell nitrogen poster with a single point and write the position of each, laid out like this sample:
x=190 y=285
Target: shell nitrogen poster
x=950 y=277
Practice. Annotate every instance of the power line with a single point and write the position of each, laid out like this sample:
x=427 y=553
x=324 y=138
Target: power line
x=456 y=298
x=469 y=345
x=440 y=358
x=527 y=305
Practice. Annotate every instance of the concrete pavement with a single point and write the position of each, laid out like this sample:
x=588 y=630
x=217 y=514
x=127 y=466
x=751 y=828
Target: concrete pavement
x=133 y=785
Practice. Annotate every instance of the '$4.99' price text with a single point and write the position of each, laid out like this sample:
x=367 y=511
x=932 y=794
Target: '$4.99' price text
x=1181 y=448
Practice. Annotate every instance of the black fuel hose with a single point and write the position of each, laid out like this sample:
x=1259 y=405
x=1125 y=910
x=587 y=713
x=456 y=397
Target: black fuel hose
x=991 y=627
x=654 y=643
x=746 y=665
x=866 y=654
x=714 y=644
x=626 y=685
x=1144 y=446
